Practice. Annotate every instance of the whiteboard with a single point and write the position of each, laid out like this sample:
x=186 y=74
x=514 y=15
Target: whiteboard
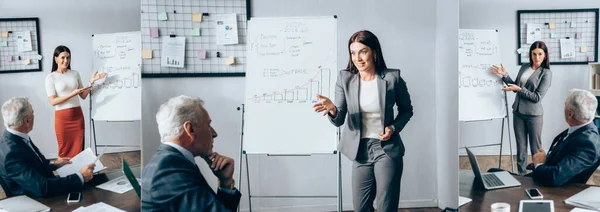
x=118 y=97
x=479 y=91
x=290 y=60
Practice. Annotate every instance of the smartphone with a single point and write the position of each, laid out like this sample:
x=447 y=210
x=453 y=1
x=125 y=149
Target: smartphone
x=74 y=197
x=534 y=193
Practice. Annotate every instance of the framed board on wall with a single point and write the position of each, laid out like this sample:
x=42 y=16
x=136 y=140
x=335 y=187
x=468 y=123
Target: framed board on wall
x=20 y=45
x=194 y=38
x=570 y=34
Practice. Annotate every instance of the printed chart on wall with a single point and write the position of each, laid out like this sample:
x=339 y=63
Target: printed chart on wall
x=290 y=61
x=480 y=92
x=118 y=97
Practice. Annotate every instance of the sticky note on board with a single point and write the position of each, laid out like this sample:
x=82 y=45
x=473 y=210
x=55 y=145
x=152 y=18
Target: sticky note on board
x=583 y=48
x=590 y=58
x=197 y=17
x=552 y=25
x=9 y=58
x=202 y=54
x=578 y=35
x=38 y=57
x=520 y=50
x=146 y=53
x=5 y=34
x=4 y=43
x=154 y=32
x=27 y=62
x=573 y=24
x=552 y=35
x=162 y=16
x=196 y=32
x=230 y=60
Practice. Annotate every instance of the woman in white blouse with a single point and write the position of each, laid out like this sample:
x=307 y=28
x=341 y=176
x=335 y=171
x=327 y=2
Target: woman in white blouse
x=531 y=85
x=63 y=85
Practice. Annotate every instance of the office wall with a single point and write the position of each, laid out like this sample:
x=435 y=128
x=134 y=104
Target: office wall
x=70 y=23
x=502 y=15
x=407 y=31
x=446 y=101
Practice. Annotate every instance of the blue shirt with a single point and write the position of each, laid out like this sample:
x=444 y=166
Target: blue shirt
x=26 y=139
x=188 y=155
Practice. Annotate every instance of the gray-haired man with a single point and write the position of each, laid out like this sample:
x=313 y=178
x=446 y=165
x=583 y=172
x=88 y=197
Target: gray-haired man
x=575 y=153
x=23 y=168
x=172 y=181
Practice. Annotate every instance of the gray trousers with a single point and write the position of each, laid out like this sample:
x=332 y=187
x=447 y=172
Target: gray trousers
x=375 y=173
x=525 y=127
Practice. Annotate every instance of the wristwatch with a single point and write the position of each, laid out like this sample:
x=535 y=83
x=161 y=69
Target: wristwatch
x=393 y=128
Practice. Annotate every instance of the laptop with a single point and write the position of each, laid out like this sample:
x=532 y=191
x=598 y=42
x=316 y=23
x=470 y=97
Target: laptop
x=131 y=178
x=492 y=180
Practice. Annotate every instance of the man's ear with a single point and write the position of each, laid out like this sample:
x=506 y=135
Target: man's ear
x=188 y=128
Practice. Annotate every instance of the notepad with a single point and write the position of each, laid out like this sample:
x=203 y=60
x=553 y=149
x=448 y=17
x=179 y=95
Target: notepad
x=79 y=161
x=197 y=17
x=146 y=53
x=202 y=54
x=196 y=32
x=22 y=203
x=230 y=60
x=154 y=32
x=587 y=199
x=162 y=16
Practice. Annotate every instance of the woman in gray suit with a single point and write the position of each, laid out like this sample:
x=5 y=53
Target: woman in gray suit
x=367 y=91
x=531 y=85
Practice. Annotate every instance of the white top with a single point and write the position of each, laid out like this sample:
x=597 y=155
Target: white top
x=58 y=84
x=369 y=107
x=525 y=76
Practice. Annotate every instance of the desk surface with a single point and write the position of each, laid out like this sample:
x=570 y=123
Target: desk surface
x=129 y=201
x=483 y=199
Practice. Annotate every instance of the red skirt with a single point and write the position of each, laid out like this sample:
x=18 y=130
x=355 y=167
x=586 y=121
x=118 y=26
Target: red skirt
x=69 y=126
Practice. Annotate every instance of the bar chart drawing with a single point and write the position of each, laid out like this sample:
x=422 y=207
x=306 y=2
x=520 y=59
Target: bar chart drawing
x=131 y=81
x=320 y=83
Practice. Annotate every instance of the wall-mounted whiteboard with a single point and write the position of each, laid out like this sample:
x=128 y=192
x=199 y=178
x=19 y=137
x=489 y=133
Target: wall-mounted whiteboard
x=118 y=97
x=480 y=92
x=290 y=60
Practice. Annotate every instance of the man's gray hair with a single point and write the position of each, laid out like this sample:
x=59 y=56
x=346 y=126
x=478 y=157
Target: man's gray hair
x=14 y=111
x=172 y=114
x=583 y=104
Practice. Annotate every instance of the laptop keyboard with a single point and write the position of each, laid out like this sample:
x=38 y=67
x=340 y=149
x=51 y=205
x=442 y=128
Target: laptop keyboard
x=492 y=180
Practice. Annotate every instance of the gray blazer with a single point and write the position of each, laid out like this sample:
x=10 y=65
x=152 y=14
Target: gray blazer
x=392 y=91
x=528 y=99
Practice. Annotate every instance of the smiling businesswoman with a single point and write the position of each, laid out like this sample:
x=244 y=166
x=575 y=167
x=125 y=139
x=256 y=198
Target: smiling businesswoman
x=366 y=92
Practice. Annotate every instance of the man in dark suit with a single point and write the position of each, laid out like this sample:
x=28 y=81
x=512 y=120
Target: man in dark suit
x=172 y=181
x=23 y=168
x=574 y=152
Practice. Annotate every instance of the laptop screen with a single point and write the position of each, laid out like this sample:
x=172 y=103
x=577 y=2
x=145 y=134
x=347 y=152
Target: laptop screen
x=134 y=183
x=474 y=165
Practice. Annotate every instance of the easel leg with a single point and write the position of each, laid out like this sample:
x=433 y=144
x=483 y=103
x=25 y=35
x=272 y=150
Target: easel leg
x=241 y=150
x=512 y=163
x=501 y=142
x=340 y=206
x=248 y=180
